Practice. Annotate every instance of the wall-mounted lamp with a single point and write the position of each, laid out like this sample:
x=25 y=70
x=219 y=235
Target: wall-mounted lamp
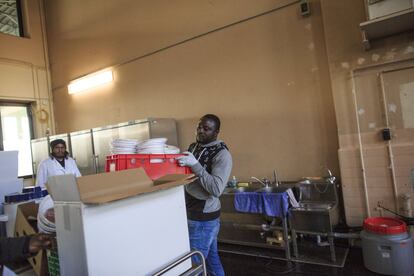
x=90 y=81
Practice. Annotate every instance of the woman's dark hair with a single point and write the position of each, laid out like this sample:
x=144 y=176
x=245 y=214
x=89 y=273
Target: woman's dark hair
x=214 y=118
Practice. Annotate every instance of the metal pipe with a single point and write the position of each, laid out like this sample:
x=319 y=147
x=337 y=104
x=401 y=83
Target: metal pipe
x=361 y=152
x=181 y=260
x=346 y=235
x=273 y=228
x=286 y=238
x=406 y=206
x=333 y=234
x=389 y=147
x=263 y=227
x=295 y=243
x=47 y=64
x=380 y=210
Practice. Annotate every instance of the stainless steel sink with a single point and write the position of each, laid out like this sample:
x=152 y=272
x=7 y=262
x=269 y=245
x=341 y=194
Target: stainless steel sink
x=247 y=228
x=318 y=208
x=239 y=190
x=272 y=189
x=317 y=213
x=310 y=206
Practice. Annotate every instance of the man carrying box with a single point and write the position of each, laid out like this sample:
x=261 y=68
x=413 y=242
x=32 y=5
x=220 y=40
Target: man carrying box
x=210 y=160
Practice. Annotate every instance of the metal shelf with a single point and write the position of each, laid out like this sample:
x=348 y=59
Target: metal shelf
x=392 y=24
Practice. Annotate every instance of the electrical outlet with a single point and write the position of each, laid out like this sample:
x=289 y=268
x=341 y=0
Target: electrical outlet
x=304 y=8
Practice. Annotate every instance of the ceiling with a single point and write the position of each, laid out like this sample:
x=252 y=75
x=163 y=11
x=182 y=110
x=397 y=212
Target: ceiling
x=9 y=22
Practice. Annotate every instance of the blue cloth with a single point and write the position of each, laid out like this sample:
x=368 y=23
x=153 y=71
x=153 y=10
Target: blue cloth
x=203 y=237
x=248 y=202
x=270 y=204
x=275 y=205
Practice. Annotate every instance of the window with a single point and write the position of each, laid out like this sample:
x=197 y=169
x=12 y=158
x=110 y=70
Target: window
x=10 y=17
x=16 y=133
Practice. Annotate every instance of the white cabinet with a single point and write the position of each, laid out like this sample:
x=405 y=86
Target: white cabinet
x=120 y=223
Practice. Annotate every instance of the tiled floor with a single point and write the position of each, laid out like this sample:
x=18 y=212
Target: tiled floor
x=241 y=265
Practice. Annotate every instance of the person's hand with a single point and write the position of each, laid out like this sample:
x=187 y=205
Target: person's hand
x=187 y=161
x=38 y=242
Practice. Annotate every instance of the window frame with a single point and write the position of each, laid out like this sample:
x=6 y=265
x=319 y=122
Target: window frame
x=20 y=17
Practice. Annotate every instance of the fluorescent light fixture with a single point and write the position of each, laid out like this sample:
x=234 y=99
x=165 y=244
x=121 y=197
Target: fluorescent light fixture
x=90 y=81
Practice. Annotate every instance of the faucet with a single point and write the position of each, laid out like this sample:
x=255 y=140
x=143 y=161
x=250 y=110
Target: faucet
x=331 y=179
x=276 y=178
x=265 y=182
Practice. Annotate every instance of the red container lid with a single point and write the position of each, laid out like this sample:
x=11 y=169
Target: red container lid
x=385 y=226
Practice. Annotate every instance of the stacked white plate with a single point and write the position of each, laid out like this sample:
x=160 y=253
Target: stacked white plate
x=171 y=149
x=156 y=146
x=43 y=224
x=124 y=146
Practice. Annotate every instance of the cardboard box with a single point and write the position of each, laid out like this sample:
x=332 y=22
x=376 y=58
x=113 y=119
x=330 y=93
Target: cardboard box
x=26 y=224
x=9 y=183
x=6 y=188
x=120 y=223
x=8 y=164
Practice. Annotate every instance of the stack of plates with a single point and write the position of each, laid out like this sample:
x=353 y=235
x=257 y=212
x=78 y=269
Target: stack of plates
x=171 y=149
x=156 y=146
x=124 y=146
x=152 y=146
x=45 y=216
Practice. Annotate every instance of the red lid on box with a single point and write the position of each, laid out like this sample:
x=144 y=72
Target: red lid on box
x=385 y=226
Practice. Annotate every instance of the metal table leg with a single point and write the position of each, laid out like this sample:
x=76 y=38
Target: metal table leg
x=286 y=238
x=332 y=247
x=295 y=244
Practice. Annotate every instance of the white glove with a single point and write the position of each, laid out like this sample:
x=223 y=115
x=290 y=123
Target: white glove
x=187 y=161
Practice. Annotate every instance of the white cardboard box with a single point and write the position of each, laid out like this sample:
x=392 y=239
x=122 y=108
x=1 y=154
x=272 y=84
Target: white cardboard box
x=8 y=165
x=9 y=186
x=120 y=223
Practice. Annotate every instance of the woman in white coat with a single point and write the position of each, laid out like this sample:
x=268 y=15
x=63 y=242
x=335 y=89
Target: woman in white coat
x=57 y=164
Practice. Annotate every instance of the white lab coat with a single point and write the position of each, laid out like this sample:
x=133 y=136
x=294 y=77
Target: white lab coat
x=51 y=167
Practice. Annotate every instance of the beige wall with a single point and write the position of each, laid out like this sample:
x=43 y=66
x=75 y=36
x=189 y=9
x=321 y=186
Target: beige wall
x=23 y=71
x=267 y=78
x=348 y=62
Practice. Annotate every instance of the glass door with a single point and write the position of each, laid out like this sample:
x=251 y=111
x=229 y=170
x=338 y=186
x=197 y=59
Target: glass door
x=82 y=151
x=16 y=133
